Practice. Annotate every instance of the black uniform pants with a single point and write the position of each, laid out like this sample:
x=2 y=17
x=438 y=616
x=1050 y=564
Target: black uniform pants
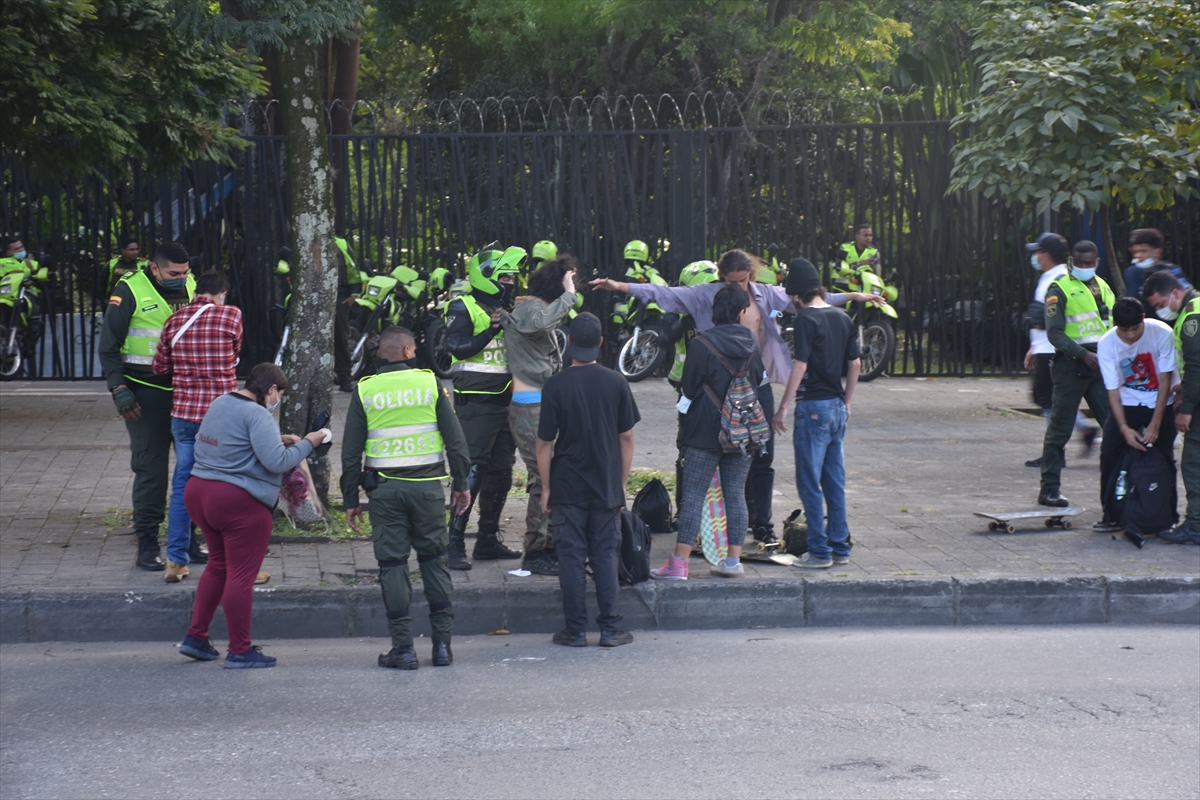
x=493 y=451
x=150 y=447
x=760 y=483
x=1069 y=388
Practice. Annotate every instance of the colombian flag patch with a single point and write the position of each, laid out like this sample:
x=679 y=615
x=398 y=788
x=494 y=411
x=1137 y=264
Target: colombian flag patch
x=114 y=300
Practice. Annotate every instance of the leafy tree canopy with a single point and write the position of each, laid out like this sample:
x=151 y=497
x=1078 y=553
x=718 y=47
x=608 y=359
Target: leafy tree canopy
x=95 y=81
x=1085 y=104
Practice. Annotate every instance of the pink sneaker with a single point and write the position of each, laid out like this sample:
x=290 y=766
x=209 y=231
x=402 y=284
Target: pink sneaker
x=673 y=569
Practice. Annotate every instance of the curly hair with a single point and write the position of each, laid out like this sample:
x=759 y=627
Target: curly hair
x=738 y=261
x=546 y=281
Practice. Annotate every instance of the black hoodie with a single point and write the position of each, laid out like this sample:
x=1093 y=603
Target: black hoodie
x=702 y=422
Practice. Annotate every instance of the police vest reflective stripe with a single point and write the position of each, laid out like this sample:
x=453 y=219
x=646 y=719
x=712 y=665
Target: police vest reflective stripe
x=1190 y=310
x=1085 y=323
x=150 y=314
x=853 y=256
x=493 y=358
x=352 y=273
x=680 y=359
x=402 y=429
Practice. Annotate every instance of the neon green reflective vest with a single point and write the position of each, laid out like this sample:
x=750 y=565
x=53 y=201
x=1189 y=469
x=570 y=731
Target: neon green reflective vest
x=768 y=273
x=492 y=359
x=117 y=270
x=150 y=314
x=852 y=255
x=352 y=273
x=1190 y=310
x=402 y=427
x=9 y=265
x=1086 y=323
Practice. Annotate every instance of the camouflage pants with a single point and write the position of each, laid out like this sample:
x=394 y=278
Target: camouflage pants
x=523 y=419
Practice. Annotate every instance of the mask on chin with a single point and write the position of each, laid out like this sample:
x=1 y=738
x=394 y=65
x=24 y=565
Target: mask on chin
x=1145 y=263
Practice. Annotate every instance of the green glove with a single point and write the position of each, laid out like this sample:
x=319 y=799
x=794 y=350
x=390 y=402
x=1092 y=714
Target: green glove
x=124 y=399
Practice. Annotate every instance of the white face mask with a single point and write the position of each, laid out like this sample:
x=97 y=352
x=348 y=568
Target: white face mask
x=1166 y=314
x=1145 y=263
x=272 y=406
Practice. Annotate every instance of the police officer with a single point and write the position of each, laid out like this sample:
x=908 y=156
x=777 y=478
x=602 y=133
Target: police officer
x=349 y=285
x=861 y=249
x=482 y=392
x=1179 y=305
x=1078 y=307
x=15 y=258
x=401 y=419
x=128 y=262
x=139 y=307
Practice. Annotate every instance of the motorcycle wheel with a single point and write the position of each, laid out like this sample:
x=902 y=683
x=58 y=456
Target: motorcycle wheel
x=877 y=345
x=10 y=360
x=640 y=363
x=433 y=349
x=364 y=363
x=560 y=339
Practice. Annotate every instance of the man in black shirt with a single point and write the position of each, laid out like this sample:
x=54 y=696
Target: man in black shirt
x=584 y=451
x=824 y=343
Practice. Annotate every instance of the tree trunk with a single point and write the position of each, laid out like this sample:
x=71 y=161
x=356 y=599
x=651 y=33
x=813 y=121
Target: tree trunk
x=309 y=360
x=1115 y=278
x=345 y=65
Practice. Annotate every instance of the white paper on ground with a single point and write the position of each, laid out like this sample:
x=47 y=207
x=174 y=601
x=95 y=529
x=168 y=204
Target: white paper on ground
x=520 y=573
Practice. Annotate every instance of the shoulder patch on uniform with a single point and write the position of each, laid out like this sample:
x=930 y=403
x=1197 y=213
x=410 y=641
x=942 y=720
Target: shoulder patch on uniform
x=1051 y=306
x=1189 y=327
x=1051 y=298
x=114 y=300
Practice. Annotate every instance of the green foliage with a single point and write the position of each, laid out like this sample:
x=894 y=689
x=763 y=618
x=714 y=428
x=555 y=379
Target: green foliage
x=1085 y=104
x=93 y=81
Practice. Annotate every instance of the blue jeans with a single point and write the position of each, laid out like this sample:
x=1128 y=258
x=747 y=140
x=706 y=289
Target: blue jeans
x=821 y=474
x=179 y=524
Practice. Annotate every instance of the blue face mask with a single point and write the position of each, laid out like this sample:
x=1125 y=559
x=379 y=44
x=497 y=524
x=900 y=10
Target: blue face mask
x=1083 y=274
x=20 y=256
x=1033 y=262
x=173 y=284
x=1145 y=263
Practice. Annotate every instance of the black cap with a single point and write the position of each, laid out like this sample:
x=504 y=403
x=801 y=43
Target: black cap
x=802 y=276
x=1053 y=244
x=583 y=344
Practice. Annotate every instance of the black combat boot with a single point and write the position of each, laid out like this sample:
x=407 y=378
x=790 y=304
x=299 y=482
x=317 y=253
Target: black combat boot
x=149 y=555
x=442 y=655
x=456 y=553
x=399 y=658
x=488 y=547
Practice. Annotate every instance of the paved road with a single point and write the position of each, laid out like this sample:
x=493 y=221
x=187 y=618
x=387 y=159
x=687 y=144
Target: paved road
x=997 y=712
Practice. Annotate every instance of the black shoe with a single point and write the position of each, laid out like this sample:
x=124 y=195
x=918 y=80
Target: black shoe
x=1181 y=534
x=569 y=638
x=442 y=655
x=149 y=555
x=1054 y=499
x=488 y=547
x=399 y=658
x=346 y=386
x=539 y=563
x=1089 y=439
x=765 y=535
x=1035 y=463
x=456 y=553
x=615 y=638
x=1107 y=526
x=198 y=550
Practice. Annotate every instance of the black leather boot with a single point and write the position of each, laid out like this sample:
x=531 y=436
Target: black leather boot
x=456 y=552
x=442 y=655
x=488 y=547
x=149 y=555
x=399 y=658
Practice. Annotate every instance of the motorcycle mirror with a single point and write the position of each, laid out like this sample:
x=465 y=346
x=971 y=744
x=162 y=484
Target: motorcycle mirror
x=285 y=253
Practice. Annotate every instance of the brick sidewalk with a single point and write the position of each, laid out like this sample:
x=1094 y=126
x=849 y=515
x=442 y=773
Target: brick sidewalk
x=921 y=456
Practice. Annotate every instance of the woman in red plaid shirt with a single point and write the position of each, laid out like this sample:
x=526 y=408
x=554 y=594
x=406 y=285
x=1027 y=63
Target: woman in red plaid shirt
x=199 y=347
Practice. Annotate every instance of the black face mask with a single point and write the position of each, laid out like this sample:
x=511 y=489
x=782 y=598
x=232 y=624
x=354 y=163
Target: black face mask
x=506 y=294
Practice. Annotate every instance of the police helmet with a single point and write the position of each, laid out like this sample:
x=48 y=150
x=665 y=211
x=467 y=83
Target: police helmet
x=698 y=272
x=485 y=268
x=544 y=250
x=637 y=251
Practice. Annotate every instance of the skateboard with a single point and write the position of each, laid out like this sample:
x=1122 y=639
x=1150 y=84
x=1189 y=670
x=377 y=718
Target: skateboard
x=1053 y=518
x=714 y=529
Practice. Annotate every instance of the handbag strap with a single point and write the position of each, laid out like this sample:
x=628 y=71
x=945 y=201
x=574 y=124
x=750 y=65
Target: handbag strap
x=183 y=328
x=736 y=373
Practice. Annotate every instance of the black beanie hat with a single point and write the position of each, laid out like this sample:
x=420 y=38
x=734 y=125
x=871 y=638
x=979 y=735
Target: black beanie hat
x=802 y=276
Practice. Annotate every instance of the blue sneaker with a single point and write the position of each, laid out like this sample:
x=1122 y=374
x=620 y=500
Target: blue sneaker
x=251 y=659
x=199 y=649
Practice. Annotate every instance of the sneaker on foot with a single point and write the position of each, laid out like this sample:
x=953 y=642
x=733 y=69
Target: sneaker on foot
x=809 y=561
x=615 y=638
x=399 y=658
x=840 y=559
x=251 y=659
x=1181 y=534
x=727 y=570
x=199 y=649
x=176 y=572
x=1054 y=499
x=1107 y=526
x=765 y=534
x=569 y=638
x=261 y=578
x=673 y=569
x=539 y=563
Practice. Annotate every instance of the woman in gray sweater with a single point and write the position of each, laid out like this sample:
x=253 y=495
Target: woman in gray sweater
x=240 y=461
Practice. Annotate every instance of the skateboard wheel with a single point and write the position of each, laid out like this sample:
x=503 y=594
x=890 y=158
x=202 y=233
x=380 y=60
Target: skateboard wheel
x=1052 y=521
x=991 y=526
x=1066 y=524
x=1011 y=529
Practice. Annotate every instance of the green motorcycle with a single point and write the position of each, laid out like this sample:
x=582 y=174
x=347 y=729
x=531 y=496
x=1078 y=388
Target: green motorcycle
x=876 y=334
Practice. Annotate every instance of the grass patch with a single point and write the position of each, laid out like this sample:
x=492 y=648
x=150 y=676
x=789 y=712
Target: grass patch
x=639 y=477
x=115 y=518
x=337 y=529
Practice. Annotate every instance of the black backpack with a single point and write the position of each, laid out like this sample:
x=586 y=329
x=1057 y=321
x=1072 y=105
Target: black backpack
x=1142 y=494
x=653 y=505
x=634 y=566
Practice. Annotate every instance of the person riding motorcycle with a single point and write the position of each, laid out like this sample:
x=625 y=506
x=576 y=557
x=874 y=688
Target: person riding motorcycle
x=15 y=258
x=860 y=250
x=637 y=270
x=482 y=393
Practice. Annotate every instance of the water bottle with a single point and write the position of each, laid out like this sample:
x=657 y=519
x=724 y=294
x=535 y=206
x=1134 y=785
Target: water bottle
x=1122 y=484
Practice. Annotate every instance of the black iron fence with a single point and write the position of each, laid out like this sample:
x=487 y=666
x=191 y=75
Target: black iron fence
x=429 y=199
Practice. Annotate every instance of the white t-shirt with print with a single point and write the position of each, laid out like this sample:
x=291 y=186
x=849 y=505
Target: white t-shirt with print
x=1134 y=368
x=1038 y=340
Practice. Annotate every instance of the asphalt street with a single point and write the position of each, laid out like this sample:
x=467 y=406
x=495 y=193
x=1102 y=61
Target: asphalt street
x=976 y=712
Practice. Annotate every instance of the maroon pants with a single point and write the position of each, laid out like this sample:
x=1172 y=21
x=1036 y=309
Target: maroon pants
x=237 y=529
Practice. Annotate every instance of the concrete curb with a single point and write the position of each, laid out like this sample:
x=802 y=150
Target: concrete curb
x=279 y=613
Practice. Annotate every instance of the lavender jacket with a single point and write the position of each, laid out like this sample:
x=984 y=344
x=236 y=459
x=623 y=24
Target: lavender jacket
x=698 y=302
